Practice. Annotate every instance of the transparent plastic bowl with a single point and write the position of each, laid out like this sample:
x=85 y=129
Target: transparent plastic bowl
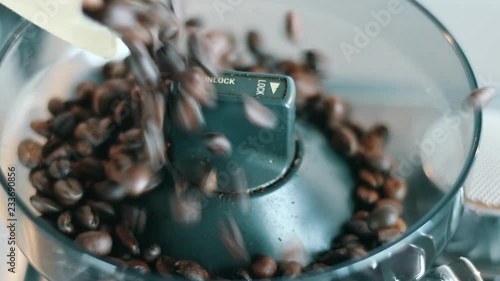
x=392 y=61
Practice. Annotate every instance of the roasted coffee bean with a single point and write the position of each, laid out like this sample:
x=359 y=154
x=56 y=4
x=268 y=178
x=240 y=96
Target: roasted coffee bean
x=40 y=181
x=60 y=168
x=361 y=215
x=221 y=48
x=29 y=153
x=138 y=265
x=84 y=148
x=96 y=242
x=194 y=22
x=68 y=192
x=42 y=128
x=367 y=195
x=52 y=144
x=110 y=191
x=395 y=188
x=191 y=270
x=65 y=223
x=231 y=237
x=381 y=131
x=127 y=239
x=102 y=209
x=62 y=152
x=258 y=114
x=186 y=208
x=84 y=92
x=200 y=51
x=373 y=143
x=382 y=217
x=378 y=162
x=63 y=124
x=217 y=144
x=108 y=94
x=315 y=267
x=293 y=26
x=134 y=138
x=370 y=178
x=357 y=129
x=90 y=168
x=139 y=179
x=122 y=114
x=264 y=267
x=151 y=253
x=170 y=60
x=81 y=114
x=194 y=84
x=344 y=141
x=242 y=274
x=401 y=225
x=391 y=202
x=165 y=266
x=87 y=218
x=208 y=182
x=56 y=106
x=386 y=235
x=115 y=69
x=254 y=42
x=359 y=227
x=188 y=114
x=91 y=132
x=334 y=256
x=291 y=269
x=355 y=250
x=117 y=261
x=45 y=205
x=134 y=218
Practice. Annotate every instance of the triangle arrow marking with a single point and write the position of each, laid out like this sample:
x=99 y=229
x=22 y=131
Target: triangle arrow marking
x=274 y=86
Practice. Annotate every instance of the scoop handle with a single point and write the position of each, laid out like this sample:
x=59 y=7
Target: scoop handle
x=64 y=19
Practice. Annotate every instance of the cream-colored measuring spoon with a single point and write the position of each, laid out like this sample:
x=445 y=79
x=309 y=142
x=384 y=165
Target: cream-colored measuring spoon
x=64 y=19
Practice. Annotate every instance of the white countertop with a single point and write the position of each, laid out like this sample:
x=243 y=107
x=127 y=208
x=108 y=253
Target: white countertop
x=475 y=26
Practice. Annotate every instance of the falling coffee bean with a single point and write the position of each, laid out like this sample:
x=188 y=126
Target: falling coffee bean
x=87 y=218
x=382 y=217
x=151 y=253
x=254 y=42
x=96 y=242
x=127 y=238
x=65 y=223
x=45 y=205
x=68 y=192
x=217 y=144
x=264 y=267
x=208 y=182
x=293 y=26
x=258 y=114
x=291 y=269
x=29 y=153
x=191 y=270
x=138 y=265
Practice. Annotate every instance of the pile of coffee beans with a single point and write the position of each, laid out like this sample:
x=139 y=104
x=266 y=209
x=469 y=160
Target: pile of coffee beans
x=106 y=146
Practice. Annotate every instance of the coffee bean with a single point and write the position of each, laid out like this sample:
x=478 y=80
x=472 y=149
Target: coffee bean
x=60 y=168
x=291 y=269
x=221 y=49
x=335 y=111
x=188 y=114
x=85 y=91
x=386 y=235
x=68 y=192
x=39 y=180
x=92 y=132
x=115 y=69
x=127 y=238
x=63 y=124
x=170 y=61
x=258 y=114
x=367 y=195
x=344 y=141
x=395 y=188
x=200 y=51
x=61 y=153
x=151 y=253
x=108 y=94
x=373 y=143
x=208 y=182
x=52 y=144
x=138 y=179
x=134 y=218
x=391 y=202
x=138 y=265
x=81 y=114
x=217 y=144
x=191 y=270
x=96 y=242
x=56 y=106
x=359 y=227
x=122 y=114
x=194 y=22
x=264 y=267
x=381 y=131
x=378 y=162
x=84 y=148
x=370 y=178
x=87 y=218
x=242 y=274
x=401 y=225
x=194 y=84
x=165 y=266
x=41 y=127
x=232 y=238
x=45 y=205
x=334 y=256
x=361 y=215
x=29 y=153
x=316 y=267
x=254 y=42
x=110 y=191
x=134 y=138
x=382 y=217
x=65 y=223
x=102 y=209
x=356 y=250
x=293 y=26
x=90 y=168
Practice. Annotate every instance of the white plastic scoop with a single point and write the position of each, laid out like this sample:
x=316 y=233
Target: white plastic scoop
x=64 y=19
